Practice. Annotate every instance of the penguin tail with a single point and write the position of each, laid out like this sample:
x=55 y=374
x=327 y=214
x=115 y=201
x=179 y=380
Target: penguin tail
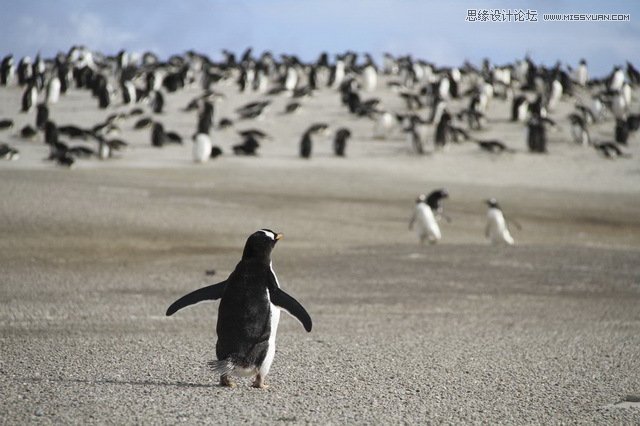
x=222 y=367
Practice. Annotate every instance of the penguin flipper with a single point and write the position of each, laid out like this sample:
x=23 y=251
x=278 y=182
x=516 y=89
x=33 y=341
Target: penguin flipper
x=282 y=300
x=211 y=292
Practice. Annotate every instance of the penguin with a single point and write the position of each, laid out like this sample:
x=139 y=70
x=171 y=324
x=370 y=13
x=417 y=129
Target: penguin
x=306 y=142
x=622 y=131
x=579 y=130
x=384 y=124
x=554 y=95
x=53 y=90
x=128 y=92
x=424 y=220
x=291 y=107
x=158 y=136
x=8 y=152
x=157 y=103
x=581 y=73
x=42 y=115
x=201 y=148
x=340 y=141
x=6 y=124
x=205 y=118
x=29 y=97
x=616 y=79
x=143 y=123
x=337 y=73
x=443 y=129
x=497 y=230
x=610 y=150
x=369 y=77
x=619 y=106
x=519 y=108
x=536 y=135
x=291 y=79
x=7 y=70
x=28 y=132
x=250 y=142
x=104 y=97
x=50 y=133
x=104 y=149
x=249 y=312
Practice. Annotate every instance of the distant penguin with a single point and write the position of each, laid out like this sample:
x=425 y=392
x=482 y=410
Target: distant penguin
x=157 y=103
x=42 y=116
x=443 y=129
x=496 y=230
x=579 y=130
x=201 y=148
x=7 y=152
x=53 y=90
x=454 y=77
x=104 y=97
x=337 y=74
x=29 y=97
x=369 y=78
x=291 y=79
x=249 y=312
x=340 y=141
x=621 y=131
x=384 y=125
x=424 y=221
x=443 y=87
x=128 y=92
x=50 y=133
x=25 y=71
x=158 y=135
x=582 y=74
x=554 y=95
x=439 y=105
x=205 y=118
x=6 y=124
x=104 y=150
x=519 y=108
x=536 y=135
x=619 y=106
x=616 y=79
x=306 y=142
x=414 y=141
x=7 y=70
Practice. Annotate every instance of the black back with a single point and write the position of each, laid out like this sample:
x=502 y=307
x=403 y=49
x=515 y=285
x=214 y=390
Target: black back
x=244 y=314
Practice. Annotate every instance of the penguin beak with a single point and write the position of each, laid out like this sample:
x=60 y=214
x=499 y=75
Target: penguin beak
x=279 y=237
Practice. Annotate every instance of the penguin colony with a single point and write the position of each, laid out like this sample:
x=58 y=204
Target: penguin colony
x=134 y=92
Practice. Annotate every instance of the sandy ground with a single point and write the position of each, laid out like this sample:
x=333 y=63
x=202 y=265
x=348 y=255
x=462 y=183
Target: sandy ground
x=544 y=332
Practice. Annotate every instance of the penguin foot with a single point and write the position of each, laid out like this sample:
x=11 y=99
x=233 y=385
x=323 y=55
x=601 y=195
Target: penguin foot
x=259 y=383
x=226 y=382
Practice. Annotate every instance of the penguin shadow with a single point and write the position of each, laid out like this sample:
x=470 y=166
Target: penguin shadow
x=177 y=384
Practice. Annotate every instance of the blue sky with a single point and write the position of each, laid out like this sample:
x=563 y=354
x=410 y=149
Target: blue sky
x=432 y=30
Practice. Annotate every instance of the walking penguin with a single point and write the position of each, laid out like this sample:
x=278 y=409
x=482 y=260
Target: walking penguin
x=249 y=311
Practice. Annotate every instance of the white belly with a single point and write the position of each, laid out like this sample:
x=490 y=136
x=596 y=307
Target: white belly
x=426 y=223
x=370 y=79
x=498 y=231
x=201 y=148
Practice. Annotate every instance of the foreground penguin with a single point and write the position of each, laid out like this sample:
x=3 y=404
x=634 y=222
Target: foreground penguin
x=496 y=229
x=249 y=312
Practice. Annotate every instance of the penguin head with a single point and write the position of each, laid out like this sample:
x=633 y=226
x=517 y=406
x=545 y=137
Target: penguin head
x=260 y=244
x=433 y=200
x=492 y=203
